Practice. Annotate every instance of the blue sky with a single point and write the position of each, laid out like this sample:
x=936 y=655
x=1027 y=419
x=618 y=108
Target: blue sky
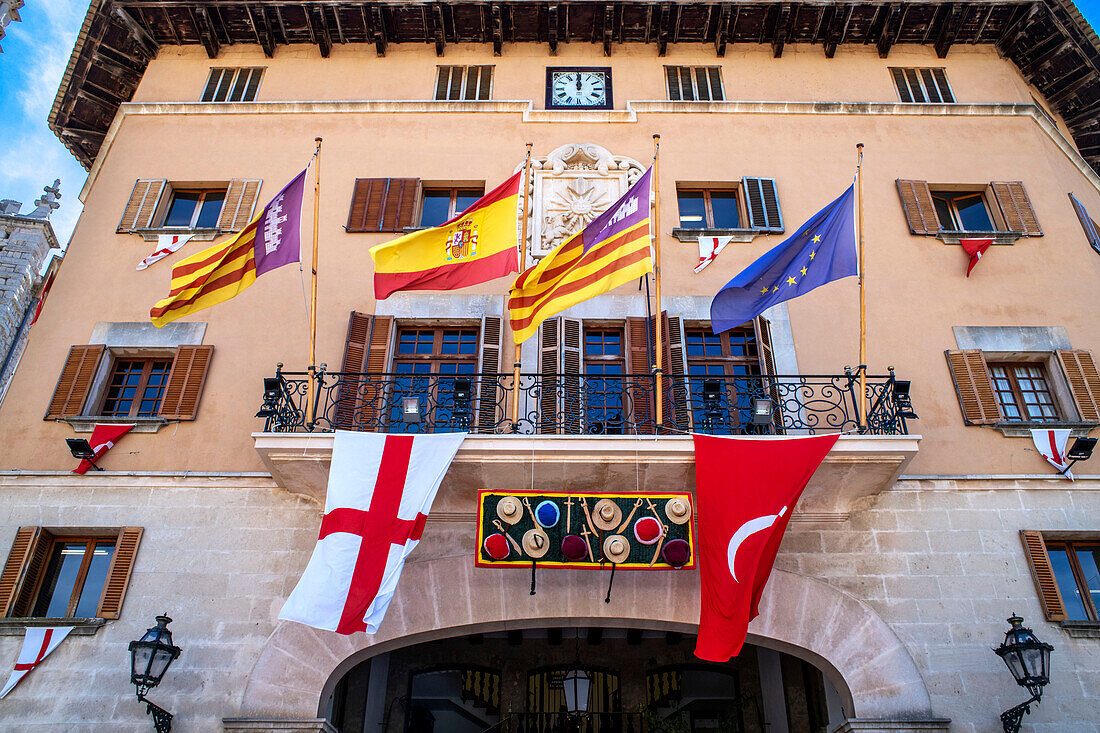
x=35 y=53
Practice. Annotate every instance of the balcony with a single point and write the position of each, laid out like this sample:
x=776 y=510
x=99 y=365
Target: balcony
x=589 y=433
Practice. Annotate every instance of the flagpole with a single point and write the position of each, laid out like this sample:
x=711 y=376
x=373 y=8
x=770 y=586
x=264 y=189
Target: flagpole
x=658 y=321
x=311 y=406
x=862 y=300
x=521 y=261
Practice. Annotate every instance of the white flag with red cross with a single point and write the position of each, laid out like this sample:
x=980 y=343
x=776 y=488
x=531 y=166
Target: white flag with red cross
x=709 y=247
x=166 y=245
x=380 y=489
x=37 y=645
x=1051 y=445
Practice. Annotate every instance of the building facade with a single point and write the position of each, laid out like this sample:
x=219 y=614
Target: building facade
x=915 y=539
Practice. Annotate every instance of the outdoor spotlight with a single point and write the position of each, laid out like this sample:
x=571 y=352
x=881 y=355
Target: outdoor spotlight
x=273 y=387
x=762 y=411
x=82 y=450
x=410 y=410
x=463 y=390
x=712 y=391
x=1028 y=659
x=1082 y=449
x=150 y=657
x=902 y=400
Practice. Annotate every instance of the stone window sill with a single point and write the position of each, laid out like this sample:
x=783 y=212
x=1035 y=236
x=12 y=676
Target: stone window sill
x=998 y=237
x=741 y=236
x=14 y=626
x=199 y=235
x=1081 y=629
x=87 y=423
x=1023 y=429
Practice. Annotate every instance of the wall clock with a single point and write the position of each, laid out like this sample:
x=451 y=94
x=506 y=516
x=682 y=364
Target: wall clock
x=578 y=87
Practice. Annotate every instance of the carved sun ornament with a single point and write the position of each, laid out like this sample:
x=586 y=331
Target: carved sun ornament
x=577 y=205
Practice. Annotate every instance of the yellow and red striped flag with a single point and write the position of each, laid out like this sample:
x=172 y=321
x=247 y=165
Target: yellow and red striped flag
x=612 y=250
x=218 y=273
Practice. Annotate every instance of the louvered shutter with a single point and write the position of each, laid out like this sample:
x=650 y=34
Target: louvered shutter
x=640 y=365
x=185 y=382
x=1092 y=231
x=677 y=396
x=360 y=401
x=75 y=381
x=762 y=202
x=571 y=368
x=399 y=204
x=383 y=204
x=32 y=576
x=767 y=367
x=974 y=387
x=16 y=574
x=549 y=370
x=1036 y=550
x=916 y=202
x=366 y=203
x=1084 y=382
x=490 y=406
x=118 y=576
x=240 y=203
x=1016 y=207
x=142 y=205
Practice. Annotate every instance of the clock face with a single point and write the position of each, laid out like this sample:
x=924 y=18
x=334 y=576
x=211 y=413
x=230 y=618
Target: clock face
x=578 y=88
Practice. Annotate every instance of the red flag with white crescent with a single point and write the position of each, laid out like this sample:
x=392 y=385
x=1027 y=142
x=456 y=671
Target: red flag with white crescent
x=103 y=439
x=975 y=248
x=745 y=491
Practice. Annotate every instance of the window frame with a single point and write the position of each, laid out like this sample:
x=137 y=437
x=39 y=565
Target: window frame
x=464 y=86
x=90 y=544
x=192 y=223
x=1017 y=392
x=453 y=190
x=1083 y=590
x=711 y=73
x=435 y=360
x=147 y=362
x=252 y=83
x=950 y=196
x=901 y=73
x=708 y=224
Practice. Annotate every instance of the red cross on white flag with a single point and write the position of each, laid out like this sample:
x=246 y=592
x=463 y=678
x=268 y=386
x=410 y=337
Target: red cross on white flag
x=166 y=245
x=709 y=247
x=1051 y=444
x=380 y=489
x=37 y=645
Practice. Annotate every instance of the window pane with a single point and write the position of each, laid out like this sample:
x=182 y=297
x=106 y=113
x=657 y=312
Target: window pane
x=486 y=82
x=94 y=580
x=702 y=83
x=972 y=214
x=253 y=84
x=437 y=204
x=686 y=91
x=211 y=85
x=716 y=85
x=241 y=84
x=1067 y=584
x=223 y=87
x=154 y=389
x=211 y=210
x=443 y=82
x=673 y=78
x=182 y=208
x=1089 y=559
x=457 y=73
x=464 y=198
x=914 y=85
x=473 y=73
x=930 y=85
x=692 y=210
x=57 y=589
x=723 y=204
x=943 y=211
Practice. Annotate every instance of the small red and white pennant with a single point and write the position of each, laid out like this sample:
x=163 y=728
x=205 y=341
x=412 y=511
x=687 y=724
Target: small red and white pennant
x=166 y=245
x=1051 y=444
x=37 y=645
x=709 y=247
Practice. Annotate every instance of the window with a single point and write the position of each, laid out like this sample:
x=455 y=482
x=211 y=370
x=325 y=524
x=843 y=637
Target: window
x=131 y=383
x=708 y=208
x=1037 y=387
x=455 y=83
x=694 y=83
x=445 y=397
x=157 y=203
x=195 y=209
x=604 y=365
x=1092 y=230
x=60 y=573
x=443 y=204
x=997 y=207
x=752 y=203
x=922 y=85
x=724 y=376
x=232 y=85
x=1076 y=567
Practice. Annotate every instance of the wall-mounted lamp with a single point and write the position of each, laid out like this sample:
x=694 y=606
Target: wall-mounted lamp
x=902 y=401
x=762 y=411
x=273 y=387
x=82 y=450
x=410 y=410
x=1081 y=450
x=150 y=657
x=1028 y=659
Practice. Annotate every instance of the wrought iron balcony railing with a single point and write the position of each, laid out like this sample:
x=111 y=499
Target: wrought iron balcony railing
x=583 y=405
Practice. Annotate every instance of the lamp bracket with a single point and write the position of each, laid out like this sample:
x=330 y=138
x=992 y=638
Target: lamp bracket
x=162 y=719
x=1010 y=719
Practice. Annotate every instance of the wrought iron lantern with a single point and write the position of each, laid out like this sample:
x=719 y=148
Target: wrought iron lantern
x=1028 y=659
x=150 y=657
x=576 y=685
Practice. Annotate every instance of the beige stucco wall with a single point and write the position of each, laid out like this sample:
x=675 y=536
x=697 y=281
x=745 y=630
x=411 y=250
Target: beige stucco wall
x=906 y=598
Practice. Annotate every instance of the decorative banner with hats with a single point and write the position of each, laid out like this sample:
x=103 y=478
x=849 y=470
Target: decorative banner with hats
x=635 y=530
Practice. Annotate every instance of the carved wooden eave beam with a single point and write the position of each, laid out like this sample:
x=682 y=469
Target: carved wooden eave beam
x=721 y=35
x=261 y=27
x=953 y=18
x=201 y=18
x=1072 y=82
x=378 y=30
x=663 y=31
x=432 y=17
x=552 y=28
x=139 y=32
x=837 y=30
x=1016 y=29
x=608 y=28
x=891 y=30
x=496 y=20
x=1049 y=49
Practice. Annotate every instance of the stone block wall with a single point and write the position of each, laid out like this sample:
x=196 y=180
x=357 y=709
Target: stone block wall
x=25 y=244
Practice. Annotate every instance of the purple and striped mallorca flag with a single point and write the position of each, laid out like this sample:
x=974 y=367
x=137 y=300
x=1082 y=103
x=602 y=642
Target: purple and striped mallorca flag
x=218 y=273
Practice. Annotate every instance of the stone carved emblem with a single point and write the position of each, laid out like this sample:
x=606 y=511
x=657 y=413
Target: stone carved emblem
x=572 y=186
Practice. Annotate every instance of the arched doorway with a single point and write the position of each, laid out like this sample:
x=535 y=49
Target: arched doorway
x=635 y=680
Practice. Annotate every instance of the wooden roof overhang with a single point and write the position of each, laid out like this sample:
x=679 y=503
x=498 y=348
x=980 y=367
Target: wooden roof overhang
x=1051 y=43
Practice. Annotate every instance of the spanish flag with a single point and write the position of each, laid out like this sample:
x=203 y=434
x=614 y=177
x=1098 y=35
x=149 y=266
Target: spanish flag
x=218 y=273
x=479 y=244
x=612 y=250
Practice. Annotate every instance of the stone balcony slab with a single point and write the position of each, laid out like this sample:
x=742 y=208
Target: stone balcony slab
x=858 y=466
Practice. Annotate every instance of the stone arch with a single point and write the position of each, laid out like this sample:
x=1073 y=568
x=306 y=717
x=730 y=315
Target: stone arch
x=808 y=618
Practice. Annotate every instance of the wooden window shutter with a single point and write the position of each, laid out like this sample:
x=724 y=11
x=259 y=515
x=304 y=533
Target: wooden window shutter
x=762 y=202
x=383 y=204
x=916 y=202
x=678 y=398
x=399 y=204
x=366 y=203
x=1084 y=382
x=1036 y=550
x=17 y=570
x=1016 y=207
x=75 y=381
x=366 y=351
x=549 y=369
x=974 y=387
x=572 y=335
x=142 y=204
x=640 y=365
x=118 y=576
x=490 y=408
x=240 y=203
x=764 y=341
x=1092 y=231
x=185 y=382
x=32 y=575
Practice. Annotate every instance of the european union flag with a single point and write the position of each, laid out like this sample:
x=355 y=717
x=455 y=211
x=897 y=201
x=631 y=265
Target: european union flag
x=822 y=250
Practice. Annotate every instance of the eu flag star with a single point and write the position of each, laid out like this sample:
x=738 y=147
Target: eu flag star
x=812 y=254
x=764 y=290
x=817 y=238
x=803 y=272
x=775 y=289
x=791 y=281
